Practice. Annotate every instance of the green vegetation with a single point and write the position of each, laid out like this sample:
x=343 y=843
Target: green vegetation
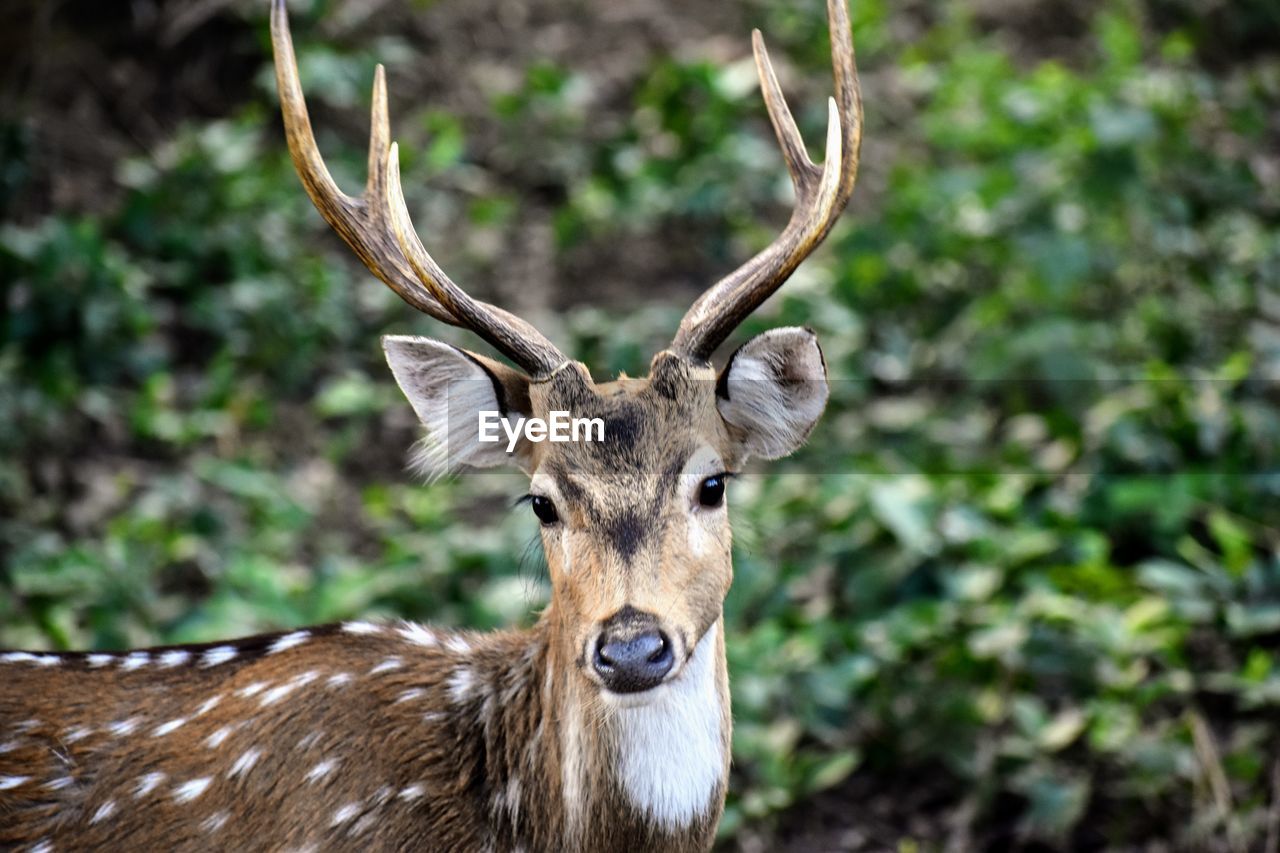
x=1023 y=583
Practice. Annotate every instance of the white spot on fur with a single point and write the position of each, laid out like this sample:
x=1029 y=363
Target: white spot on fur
x=97 y=661
x=460 y=684
x=418 y=634
x=120 y=728
x=207 y=705
x=458 y=644
x=310 y=739
x=59 y=783
x=147 y=784
x=44 y=845
x=275 y=694
x=79 y=733
x=321 y=770
x=137 y=660
x=410 y=695
x=345 y=813
x=288 y=641
x=412 y=792
x=174 y=657
x=8 y=746
x=217 y=655
x=168 y=727
x=245 y=762
x=188 y=791
x=251 y=690
x=10 y=782
x=362 y=628
x=339 y=679
x=363 y=825
x=386 y=666
x=215 y=740
x=215 y=821
x=104 y=811
x=671 y=749
x=26 y=725
x=27 y=657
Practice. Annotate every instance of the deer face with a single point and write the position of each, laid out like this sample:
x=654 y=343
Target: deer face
x=634 y=524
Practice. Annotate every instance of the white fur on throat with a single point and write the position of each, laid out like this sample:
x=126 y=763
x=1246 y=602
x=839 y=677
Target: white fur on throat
x=671 y=750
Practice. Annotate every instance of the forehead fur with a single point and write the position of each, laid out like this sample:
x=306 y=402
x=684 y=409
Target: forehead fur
x=648 y=423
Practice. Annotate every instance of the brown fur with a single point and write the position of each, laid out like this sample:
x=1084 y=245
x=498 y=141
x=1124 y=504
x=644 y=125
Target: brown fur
x=464 y=750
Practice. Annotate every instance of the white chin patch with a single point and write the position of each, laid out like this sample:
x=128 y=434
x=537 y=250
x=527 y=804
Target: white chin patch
x=670 y=748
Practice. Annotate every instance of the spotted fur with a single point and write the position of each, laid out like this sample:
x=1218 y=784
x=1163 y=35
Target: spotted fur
x=396 y=759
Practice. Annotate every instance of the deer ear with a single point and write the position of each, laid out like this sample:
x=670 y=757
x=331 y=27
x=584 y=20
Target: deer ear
x=450 y=388
x=772 y=391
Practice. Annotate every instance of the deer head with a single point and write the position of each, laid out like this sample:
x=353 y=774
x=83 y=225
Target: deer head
x=634 y=527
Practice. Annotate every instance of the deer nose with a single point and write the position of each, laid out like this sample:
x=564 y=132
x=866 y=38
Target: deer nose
x=632 y=655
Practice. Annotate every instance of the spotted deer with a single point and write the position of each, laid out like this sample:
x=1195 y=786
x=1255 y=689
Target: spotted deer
x=605 y=726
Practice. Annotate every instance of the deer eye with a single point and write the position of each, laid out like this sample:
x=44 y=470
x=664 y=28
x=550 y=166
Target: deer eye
x=544 y=509
x=711 y=492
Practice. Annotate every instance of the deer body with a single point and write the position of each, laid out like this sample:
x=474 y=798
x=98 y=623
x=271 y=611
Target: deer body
x=604 y=727
x=349 y=736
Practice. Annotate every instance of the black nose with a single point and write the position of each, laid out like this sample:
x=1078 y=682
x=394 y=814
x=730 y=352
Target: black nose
x=631 y=653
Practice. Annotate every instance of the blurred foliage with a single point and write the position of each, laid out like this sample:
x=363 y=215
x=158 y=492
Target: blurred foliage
x=1030 y=561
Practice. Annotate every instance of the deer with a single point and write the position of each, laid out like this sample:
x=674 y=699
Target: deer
x=604 y=726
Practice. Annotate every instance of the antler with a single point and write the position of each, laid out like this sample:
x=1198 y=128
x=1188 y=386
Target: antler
x=821 y=195
x=377 y=227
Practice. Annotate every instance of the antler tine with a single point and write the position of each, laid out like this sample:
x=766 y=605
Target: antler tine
x=504 y=331
x=366 y=223
x=355 y=221
x=801 y=168
x=821 y=195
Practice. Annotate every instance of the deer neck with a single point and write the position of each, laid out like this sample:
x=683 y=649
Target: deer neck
x=653 y=772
